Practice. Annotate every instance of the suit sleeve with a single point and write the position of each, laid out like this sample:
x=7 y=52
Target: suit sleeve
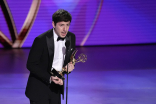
x=73 y=41
x=34 y=60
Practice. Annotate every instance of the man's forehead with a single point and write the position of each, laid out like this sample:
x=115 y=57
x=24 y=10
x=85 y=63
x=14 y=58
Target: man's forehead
x=63 y=22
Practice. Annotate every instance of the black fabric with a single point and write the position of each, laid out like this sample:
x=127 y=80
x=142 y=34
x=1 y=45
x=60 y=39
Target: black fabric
x=40 y=102
x=53 y=100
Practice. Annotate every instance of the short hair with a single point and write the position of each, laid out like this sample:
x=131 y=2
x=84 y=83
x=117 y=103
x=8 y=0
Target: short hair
x=61 y=15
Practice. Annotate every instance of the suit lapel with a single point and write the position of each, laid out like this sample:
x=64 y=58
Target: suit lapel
x=50 y=45
x=68 y=38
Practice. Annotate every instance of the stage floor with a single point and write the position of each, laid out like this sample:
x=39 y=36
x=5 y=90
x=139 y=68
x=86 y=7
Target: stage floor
x=111 y=75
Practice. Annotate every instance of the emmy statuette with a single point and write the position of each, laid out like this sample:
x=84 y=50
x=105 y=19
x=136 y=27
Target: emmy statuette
x=81 y=58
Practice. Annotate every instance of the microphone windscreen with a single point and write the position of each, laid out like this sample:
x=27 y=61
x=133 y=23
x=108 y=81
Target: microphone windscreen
x=67 y=43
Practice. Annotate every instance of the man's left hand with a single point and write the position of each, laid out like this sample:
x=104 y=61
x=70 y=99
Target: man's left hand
x=70 y=67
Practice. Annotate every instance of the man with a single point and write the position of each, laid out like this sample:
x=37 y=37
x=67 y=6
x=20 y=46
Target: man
x=48 y=53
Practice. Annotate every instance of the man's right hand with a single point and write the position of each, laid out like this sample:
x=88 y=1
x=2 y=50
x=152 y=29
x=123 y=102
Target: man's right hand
x=57 y=80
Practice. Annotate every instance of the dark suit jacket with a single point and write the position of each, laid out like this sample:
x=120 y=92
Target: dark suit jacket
x=39 y=64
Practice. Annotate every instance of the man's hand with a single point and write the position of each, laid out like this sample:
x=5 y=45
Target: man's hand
x=57 y=80
x=70 y=67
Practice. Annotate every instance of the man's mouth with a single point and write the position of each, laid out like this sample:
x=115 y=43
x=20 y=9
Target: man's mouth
x=63 y=33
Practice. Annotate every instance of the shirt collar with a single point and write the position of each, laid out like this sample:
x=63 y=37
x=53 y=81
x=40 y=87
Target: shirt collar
x=55 y=35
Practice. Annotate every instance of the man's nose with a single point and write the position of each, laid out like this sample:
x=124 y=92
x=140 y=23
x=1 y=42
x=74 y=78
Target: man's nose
x=65 y=28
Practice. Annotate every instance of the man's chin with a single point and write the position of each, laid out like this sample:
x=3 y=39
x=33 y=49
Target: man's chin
x=63 y=36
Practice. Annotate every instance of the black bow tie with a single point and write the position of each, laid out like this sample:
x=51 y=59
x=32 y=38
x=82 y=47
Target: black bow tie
x=59 y=38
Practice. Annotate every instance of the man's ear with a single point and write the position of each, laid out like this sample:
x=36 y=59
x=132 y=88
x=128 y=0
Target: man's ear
x=53 y=24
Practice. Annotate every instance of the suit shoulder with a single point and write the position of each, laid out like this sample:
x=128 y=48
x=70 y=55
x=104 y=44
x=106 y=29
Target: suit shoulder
x=70 y=33
x=44 y=34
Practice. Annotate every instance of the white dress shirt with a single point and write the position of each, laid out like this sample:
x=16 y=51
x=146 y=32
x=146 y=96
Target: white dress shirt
x=59 y=53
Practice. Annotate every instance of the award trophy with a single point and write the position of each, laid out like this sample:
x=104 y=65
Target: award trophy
x=81 y=58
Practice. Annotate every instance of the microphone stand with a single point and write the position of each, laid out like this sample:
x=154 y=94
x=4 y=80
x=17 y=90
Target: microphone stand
x=67 y=86
x=67 y=47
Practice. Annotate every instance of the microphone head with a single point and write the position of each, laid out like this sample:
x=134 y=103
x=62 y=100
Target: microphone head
x=67 y=43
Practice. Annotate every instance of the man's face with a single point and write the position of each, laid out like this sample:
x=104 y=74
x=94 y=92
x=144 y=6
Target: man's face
x=61 y=28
